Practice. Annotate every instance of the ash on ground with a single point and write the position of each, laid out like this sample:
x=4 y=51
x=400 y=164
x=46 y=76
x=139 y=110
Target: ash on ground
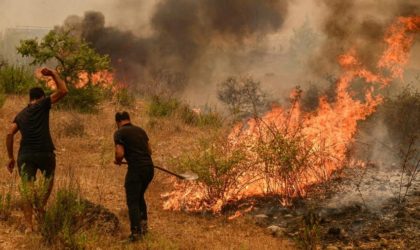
x=359 y=208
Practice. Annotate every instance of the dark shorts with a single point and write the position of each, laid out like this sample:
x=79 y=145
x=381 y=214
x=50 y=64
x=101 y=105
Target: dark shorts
x=28 y=164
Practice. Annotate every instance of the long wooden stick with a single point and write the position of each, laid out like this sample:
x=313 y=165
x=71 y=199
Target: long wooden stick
x=164 y=170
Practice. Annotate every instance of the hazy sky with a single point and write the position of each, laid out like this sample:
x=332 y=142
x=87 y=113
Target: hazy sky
x=47 y=13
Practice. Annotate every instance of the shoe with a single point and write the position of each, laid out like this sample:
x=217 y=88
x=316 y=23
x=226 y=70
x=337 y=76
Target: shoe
x=134 y=238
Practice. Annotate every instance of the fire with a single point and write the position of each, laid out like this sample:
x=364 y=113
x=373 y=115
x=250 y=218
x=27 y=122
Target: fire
x=103 y=78
x=399 y=39
x=320 y=139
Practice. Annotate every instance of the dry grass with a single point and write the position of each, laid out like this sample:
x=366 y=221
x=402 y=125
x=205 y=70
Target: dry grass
x=86 y=162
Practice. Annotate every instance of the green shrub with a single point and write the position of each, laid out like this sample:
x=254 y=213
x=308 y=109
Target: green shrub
x=84 y=100
x=2 y=97
x=5 y=206
x=162 y=106
x=16 y=79
x=60 y=223
x=206 y=118
x=124 y=97
x=35 y=193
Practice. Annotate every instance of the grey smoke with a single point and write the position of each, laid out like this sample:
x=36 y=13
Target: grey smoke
x=182 y=32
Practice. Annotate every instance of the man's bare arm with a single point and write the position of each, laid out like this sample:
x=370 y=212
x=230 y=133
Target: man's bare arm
x=9 y=145
x=119 y=154
x=61 y=90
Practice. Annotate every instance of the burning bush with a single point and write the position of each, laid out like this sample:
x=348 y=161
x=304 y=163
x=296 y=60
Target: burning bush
x=219 y=166
x=290 y=149
x=285 y=157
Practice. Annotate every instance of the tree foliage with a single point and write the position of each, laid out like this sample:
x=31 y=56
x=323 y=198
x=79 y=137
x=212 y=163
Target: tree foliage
x=73 y=55
x=242 y=96
x=75 y=60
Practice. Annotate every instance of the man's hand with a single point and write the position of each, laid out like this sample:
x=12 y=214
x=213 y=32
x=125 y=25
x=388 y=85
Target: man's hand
x=11 y=165
x=47 y=72
x=117 y=162
x=61 y=90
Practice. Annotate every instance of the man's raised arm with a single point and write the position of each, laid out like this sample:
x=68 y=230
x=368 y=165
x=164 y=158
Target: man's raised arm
x=9 y=145
x=61 y=89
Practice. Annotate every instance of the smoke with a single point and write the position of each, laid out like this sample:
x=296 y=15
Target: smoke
x=359 y=25
x=182 y=35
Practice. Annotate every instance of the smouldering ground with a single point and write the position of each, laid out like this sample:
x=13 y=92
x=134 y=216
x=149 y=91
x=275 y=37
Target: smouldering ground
x=86 y=161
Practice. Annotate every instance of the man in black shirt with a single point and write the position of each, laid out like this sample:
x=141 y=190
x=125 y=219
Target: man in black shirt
x=36 y=147
x=132 y=143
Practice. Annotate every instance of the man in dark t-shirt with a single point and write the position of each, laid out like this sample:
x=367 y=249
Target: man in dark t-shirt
x=132 y=143
x=36 y=147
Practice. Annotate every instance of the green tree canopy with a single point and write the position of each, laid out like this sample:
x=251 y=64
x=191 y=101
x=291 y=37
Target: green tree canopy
x=73 y=57
x=72 y=54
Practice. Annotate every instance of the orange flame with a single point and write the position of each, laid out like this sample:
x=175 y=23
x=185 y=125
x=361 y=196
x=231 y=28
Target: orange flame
x=104 y=78
x=329 y=130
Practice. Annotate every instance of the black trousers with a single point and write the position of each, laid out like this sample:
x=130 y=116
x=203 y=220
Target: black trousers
x=28 y=164
x=136 y=182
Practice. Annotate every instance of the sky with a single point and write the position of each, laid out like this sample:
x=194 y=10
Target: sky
x=47 y=13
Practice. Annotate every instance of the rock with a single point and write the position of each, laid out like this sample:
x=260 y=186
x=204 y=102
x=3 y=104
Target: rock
x=331 y=247
x=273 y=228
x=288 y=216
x=261 y=216
x=276 y=230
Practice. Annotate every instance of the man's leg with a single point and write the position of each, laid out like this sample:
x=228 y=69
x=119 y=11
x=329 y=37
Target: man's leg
x=146 y=179
x=46 y=163
x=27 y=172
x=132 y=190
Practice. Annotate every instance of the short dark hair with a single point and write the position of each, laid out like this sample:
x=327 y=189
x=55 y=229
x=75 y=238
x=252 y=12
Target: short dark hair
x=121 y=116
x=36 y=93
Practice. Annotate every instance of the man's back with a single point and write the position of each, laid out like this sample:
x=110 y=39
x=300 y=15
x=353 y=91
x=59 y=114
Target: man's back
x=33 y=123
x=135 y=142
